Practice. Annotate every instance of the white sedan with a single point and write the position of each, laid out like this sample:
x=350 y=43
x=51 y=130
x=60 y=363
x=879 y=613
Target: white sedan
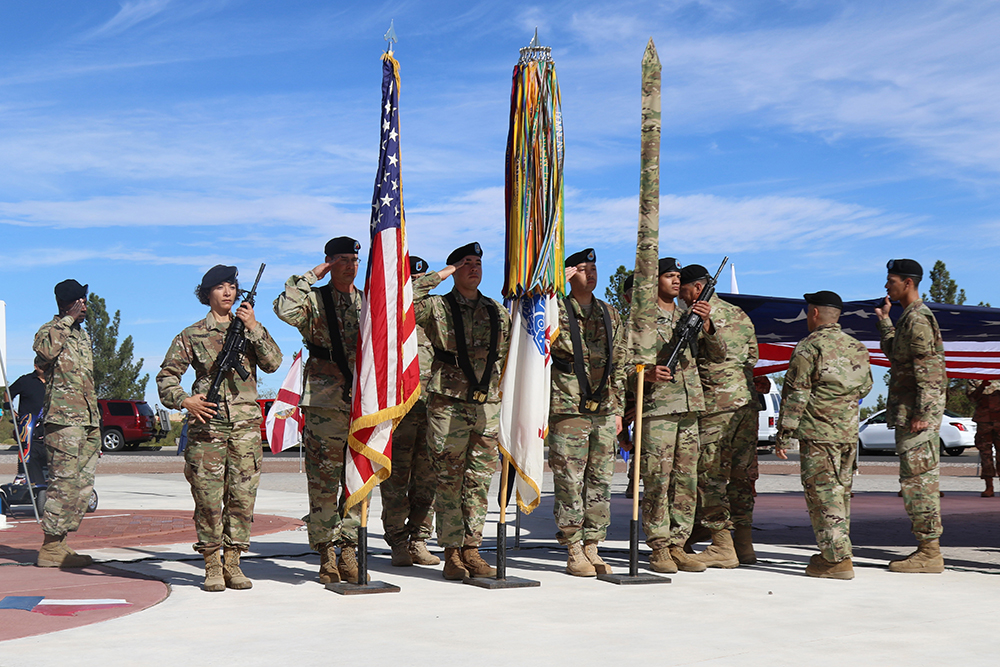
x=957 y=433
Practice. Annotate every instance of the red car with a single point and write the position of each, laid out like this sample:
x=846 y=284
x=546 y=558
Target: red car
x=125 y=424
x=265 y=405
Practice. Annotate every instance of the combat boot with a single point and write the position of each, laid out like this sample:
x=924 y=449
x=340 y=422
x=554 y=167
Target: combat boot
x=577 y=562
x=822 y=568
x=988 y=493
x=590 y=550
x=328 y=572
x=347 y=564
x=475 y=564
x=927 y=558
x=685 y=562
x=214 y=579
x=231 y=572
x=698 y=534
x=454 y=568
x=55 y=553
x=401 y=555
x=721 y=553
x=660 y=561
x=743 y=543
x=419 y=554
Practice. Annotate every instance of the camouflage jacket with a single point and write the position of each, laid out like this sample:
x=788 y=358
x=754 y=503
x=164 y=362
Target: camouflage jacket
x=987 y=399
x=828 y=374
x=685 y=393
x=566 y=395
x=727 y=385
x=198 y=346
x=917 y=380
x=70 y=396
x=434 y=315
x=302 y=306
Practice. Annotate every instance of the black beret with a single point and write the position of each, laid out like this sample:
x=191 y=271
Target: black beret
x=693 y=272
x=586 y=255
x=217 y=275
x=417 y=264
x=342 y=245
x=629 y=282
x=669 y=264
x=824 y=298
x=69 y=291
x=906 y=268
x=463 y=252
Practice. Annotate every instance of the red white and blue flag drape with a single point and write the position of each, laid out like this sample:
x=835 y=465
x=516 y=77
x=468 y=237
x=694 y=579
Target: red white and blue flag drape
x=387 y=372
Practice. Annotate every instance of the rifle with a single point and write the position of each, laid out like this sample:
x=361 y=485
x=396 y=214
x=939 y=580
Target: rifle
x=692 y=323
x=232 y=349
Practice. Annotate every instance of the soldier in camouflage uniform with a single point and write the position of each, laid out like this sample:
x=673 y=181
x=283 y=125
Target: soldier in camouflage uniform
x=585 y=417
x=914 y=408
x=828 y=374
x=723 y=427
x=327 y=317
x=986 y=395
x=463 y=407
x=669 y=465
x=223 y=456
x=72 y=424
x=408 y=494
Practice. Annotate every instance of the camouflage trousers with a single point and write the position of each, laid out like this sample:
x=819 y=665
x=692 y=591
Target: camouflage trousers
x=827 y=470
x=721 y=435
x=222 y=465
x=582 y=460
x=462 y=440
x=324 y=438
x=988 y=444
x=744 y=472
x=73 y=453
x=408 y=493
x=919 y=471
x=669 y=470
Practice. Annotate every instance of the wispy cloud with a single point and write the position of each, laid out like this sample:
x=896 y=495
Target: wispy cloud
x=130 y=14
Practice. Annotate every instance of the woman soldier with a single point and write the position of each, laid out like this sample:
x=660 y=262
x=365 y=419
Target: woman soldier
x=223 y=454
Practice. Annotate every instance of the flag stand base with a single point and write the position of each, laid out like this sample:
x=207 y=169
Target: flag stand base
x=633 y=576
x=347 y=588
x=501 y=580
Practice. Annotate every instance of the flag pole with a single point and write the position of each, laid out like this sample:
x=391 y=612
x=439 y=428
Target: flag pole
x=363 y=545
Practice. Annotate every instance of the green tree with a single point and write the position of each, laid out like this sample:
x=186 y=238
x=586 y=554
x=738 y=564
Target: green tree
x=115 y=374
x=615 y=292
x=943 y=289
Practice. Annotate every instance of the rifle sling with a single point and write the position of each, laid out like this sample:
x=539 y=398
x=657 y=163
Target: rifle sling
x=336 y=351
x=479 y=389
x=589 y=401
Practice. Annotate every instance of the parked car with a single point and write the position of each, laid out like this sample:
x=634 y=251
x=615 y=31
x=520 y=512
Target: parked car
x=265 y=405
x=957 y=433
x=125 y=424
x=767 y=419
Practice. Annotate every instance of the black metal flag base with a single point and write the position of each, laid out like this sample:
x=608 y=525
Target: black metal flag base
x=501 y=580
x=354 y=588
x=633 y=576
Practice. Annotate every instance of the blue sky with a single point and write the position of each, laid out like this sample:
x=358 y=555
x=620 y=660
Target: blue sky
x=143 y=141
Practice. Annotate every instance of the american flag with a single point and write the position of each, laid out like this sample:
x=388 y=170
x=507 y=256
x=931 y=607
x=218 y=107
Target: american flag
x=387 y=372
x=971 y=333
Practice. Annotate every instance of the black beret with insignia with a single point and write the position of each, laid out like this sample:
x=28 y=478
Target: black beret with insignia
x=586 y=255
x=692 y=273
x=465 y=251
x=824 y=298
x=905 y=268
x=668 y=264
x=217 y=275
x=69 y=291
x=417 y=264
x=342 y=245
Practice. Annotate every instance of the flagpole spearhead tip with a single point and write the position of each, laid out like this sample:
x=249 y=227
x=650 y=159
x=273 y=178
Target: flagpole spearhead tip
x=390 y=35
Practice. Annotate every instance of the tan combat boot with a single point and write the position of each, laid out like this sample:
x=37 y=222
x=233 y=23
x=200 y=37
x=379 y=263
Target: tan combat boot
x=590 y=551
x=454 y=568
x=214 y=580
x=822 y=568
x=328 y=572
x=927 y=558
x=231 y=572
x=577 y=563
x=743 y=543
x=419 y=554
x=347 y=564
x=401 y=555
x=660 y=561
x=55 y=553
x=721 y=553
x=475 y=564
x=685 y=562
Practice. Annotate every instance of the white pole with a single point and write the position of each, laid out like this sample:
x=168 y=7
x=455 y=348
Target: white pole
x=733 y=287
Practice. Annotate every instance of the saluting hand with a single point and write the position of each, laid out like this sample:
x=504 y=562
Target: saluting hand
x=570 y=272
x=245 y=313
x=322 y=269
x=77 y=310
x=451 y=268
x=883 y=312
x=199 y=408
